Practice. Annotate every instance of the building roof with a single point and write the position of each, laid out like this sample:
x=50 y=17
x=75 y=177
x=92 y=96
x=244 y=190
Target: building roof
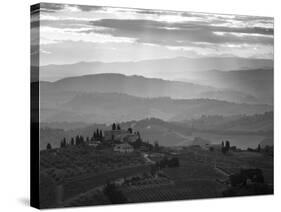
x=124 y=146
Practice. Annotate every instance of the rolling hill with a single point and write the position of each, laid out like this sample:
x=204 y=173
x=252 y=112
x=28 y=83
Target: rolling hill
x=248 y=133
x=241 y=80
x=151 y=130
x=239 y=123
x=258 y=83
x=132 y=85
x=109 y=107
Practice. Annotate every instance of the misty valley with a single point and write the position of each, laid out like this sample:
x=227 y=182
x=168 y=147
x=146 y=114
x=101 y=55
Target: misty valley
x=112 y=138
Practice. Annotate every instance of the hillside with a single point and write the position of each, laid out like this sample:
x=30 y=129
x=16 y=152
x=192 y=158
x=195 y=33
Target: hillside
x=178 y=133
x=258 y=83
x=133 y=85
x=109 y=107
x=150 y=129
x=242 y=123
x=246 y=86
x=232 y=79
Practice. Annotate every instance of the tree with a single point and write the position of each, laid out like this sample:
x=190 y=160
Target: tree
x=63 y=143
x=72 y=141
x=82 y=139
x=118 y=127
x=227 y=146
x=138 y=134
x=130 y=130
x=49 y=146
x=100 y=134
x=113 y=126
x=223 y=149
x=77 y=140
x=97 y=134
x=114 y=194
x=259 y=148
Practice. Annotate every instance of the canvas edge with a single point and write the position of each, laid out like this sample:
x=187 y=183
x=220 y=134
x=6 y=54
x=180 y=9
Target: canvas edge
x=34 y=108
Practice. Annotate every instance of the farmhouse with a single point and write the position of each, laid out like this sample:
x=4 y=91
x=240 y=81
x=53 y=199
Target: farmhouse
x=123 y=148
x=94 y=143
x=117 y=135
x=120 y=135
x=131 y=138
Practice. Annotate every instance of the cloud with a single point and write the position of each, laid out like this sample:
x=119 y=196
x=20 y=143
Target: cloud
x=137 y=33
x=51 y=7
x=183 y=34
x=50 y=35
x=44 y=51
x=86 y=8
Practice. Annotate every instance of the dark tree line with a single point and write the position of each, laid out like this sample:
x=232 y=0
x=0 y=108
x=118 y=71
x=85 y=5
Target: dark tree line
x=168 y=162
x=63 y=143
x=97 y=135
x=115 y=126
x=79 y=140
x=266 y=150
x=225 y=147
x=114 y=194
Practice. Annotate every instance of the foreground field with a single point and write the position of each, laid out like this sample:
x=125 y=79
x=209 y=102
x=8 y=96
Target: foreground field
x=70 y=171
x=79 y=175
x=202 y=174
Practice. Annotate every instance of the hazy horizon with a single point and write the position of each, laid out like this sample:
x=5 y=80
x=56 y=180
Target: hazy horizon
x=142 y=60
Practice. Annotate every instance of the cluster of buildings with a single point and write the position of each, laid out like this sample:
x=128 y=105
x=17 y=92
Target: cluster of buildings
x=121 y=137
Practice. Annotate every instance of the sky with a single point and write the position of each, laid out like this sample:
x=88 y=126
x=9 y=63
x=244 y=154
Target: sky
x=75 y=33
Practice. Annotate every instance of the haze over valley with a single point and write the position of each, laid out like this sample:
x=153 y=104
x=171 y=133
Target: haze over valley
x=240 y=89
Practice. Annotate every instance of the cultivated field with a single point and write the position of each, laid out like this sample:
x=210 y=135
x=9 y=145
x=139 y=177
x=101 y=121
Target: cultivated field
x=79 y=169
x=82 y=172
x=201 y=175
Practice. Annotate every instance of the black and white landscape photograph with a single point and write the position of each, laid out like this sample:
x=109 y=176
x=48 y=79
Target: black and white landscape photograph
x=139 y=105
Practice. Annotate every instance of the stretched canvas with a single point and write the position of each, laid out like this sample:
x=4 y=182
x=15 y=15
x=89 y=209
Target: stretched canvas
x=135 y=105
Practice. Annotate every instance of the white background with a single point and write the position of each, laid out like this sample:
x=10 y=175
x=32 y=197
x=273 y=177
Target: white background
x=15 y=115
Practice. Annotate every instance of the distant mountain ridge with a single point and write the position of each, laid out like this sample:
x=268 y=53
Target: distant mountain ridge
x=167 y=68
x=235 y=79
x=257 y=82
x=132 y=85
x=109 y=107
x=144 y=87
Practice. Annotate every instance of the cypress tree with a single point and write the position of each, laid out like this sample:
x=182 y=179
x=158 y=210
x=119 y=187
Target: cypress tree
x=113 y=126
x=72 y=141
x=49 y=146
